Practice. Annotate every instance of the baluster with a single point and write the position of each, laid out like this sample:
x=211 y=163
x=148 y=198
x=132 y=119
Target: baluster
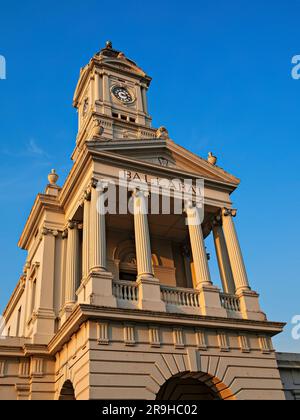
x=173 y=297
x=128 y=292
x=180 y=298
x=187 y=299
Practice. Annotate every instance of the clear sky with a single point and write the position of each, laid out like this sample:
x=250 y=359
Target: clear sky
x=221 y=82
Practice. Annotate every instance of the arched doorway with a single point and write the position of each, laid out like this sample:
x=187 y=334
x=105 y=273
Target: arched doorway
x=193 y=386
x=67 y=392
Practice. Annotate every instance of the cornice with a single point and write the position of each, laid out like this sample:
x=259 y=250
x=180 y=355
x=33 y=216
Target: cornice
x=82 y=313
x=42 y=202
x=15 y=298
x=11 y=351
x=76 y=173
x=181 y=151
x=35 y=350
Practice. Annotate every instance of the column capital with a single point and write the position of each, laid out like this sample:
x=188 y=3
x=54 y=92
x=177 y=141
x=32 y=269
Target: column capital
x=64 y=234
x=72 y=224
x=139 y=193
x=229 y=212
x=93 y=183
x=98 y=185
x=46 y=231
x=26 y=267
x=190 y=205
x=87 y=195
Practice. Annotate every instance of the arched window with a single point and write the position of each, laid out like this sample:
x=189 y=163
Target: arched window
x=128 y=267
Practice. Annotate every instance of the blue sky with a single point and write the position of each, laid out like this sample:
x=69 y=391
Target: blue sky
x=221 y=82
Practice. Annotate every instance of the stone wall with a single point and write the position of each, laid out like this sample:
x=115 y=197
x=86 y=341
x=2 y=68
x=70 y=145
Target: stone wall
x=289 y=367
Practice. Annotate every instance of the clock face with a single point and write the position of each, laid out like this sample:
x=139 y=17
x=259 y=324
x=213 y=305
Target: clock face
x=122 y=94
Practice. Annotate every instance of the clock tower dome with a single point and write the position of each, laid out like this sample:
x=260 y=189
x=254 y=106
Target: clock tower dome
x=111 y=99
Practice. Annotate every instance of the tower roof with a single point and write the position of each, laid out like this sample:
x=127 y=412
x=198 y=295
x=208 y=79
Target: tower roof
x=110 y=52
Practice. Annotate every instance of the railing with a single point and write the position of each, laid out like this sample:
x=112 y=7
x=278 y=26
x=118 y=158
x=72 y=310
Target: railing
x=126 y=290
x=230 y=302
x=180 y=297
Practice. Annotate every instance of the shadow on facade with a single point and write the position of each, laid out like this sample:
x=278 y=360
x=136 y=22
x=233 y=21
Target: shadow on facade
x=189 y=386
x=67 y=392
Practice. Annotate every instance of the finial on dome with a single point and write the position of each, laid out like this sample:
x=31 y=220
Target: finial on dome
x=108 y=45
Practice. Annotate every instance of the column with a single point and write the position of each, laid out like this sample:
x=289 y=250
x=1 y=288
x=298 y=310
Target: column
x=98 y=230
x=92 y=91
x=234 y=251
x=140 y=107
x=86 y=236
x=209 y=295
x=223 y=259
x=149 y=287
x=72 y=264
x=106 y=92
x=98 y=88
x=142 y=236
x=249 y=300
x=144 y=96
x=97 y=285
x=26 y=272
x=43 y=321
x=198 y=247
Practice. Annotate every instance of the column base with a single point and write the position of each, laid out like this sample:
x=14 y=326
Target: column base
x=97 y=290
x=150 y=294
x=250 y=308
x=210 y=303
x=66 y=312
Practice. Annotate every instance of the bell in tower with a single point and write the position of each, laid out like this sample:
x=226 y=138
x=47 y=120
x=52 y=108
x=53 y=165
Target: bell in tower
x=111 y=99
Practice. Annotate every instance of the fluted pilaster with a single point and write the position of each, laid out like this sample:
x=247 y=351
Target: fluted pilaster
x=142 y=236
x=234 y=251
x=86 y=235
x=106 y=91
x=98 y=230
x=198 y=247
x=72 y=264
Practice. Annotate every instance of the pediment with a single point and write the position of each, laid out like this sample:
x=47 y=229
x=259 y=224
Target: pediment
x=167 y=155
x=124 y=65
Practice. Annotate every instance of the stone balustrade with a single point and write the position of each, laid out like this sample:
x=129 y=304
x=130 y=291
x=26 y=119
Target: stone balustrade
x=230 y=302
x=180 y=297
x=126 y=290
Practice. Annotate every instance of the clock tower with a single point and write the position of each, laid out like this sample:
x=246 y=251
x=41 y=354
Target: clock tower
x=111 y=99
